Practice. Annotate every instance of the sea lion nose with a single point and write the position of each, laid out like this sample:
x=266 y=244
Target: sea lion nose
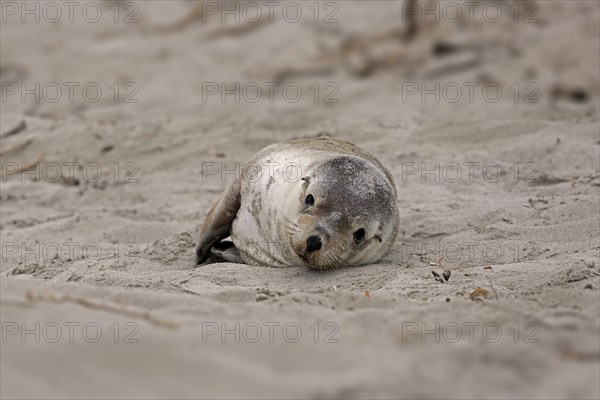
x=313 y=243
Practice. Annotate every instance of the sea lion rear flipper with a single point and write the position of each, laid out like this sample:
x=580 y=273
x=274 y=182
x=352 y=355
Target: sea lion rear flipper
x=225 y=251
x=217 y=224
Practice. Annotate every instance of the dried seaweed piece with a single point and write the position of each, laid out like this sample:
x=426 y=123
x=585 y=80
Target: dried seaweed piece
x=262 y=297
x=25 y=167
x=15 y=147
x=446 y=275
x=479 y=294
x=437 y=277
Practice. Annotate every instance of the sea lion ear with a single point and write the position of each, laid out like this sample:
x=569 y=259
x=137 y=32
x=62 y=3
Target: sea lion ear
x=311 y=175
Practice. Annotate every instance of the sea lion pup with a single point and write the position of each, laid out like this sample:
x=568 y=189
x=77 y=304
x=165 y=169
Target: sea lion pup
x=321 y=203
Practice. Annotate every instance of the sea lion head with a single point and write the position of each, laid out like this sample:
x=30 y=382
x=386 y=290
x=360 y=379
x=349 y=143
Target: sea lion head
x=345 y=214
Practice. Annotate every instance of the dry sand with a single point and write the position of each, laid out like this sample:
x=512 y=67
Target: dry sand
x=530 y=241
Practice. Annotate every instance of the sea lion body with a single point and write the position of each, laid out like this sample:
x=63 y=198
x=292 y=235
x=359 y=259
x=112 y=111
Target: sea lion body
x=321 y=203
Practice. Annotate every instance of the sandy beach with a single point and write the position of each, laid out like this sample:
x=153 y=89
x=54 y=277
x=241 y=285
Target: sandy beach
x=118 y=135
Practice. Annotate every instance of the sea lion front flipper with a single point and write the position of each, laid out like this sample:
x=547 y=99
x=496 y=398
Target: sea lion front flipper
x=217 y=224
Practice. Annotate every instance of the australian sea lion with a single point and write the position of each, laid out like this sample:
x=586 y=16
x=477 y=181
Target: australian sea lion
x=321 y=203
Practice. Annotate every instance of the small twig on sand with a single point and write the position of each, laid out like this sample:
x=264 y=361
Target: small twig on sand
x=15 y=303
x=412 y=19
x=23 y=167
x=326 y=62
x=493 y=290
x=360 y=44
x=15 y=147
x=238 y=29
x=89 y=303
x=285 y=73
x=21 y=126
x=194 y=14
x=581 y=356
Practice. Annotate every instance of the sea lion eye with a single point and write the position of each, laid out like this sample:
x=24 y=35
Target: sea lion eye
x=359 y=235
x=310 y=200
